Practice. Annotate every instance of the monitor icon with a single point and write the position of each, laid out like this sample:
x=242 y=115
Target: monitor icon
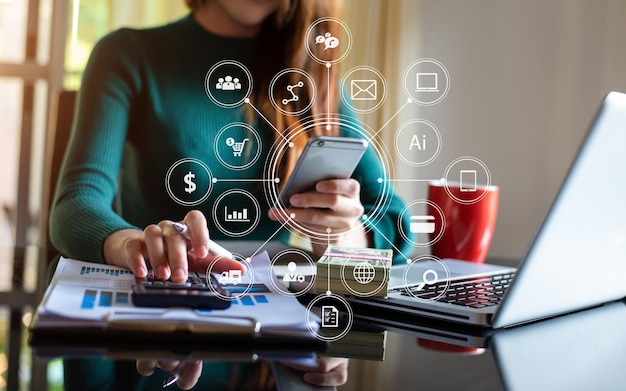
x=427 y=82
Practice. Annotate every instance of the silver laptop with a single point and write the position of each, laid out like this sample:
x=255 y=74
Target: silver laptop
x=576 y=260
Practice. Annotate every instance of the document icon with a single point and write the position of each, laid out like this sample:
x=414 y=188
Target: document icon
x=364 y=89
x=330 y=316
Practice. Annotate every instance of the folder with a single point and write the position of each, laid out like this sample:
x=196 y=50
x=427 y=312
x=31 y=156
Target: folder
x=95 y=300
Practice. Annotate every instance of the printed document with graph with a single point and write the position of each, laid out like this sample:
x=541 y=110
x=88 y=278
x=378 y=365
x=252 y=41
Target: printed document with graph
x=84 y=294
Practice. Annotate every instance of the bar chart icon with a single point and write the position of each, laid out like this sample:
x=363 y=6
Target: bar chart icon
x=235 y=216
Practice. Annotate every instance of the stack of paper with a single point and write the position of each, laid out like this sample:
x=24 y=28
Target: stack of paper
x=354 y=271
x=83 y=294
x=361 y=345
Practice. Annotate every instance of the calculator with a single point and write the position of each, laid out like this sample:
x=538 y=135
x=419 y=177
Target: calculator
x=193 y=293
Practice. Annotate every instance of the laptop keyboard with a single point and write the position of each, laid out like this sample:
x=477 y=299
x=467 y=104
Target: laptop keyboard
x=475 y=292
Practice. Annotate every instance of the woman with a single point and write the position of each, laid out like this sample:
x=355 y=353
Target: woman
x=143 y=106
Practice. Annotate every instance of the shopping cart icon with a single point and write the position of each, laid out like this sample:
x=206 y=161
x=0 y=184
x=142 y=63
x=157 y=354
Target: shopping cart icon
x=237 y=147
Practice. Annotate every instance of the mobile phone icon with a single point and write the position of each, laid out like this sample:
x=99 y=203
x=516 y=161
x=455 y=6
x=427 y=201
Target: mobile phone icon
x=468 y=180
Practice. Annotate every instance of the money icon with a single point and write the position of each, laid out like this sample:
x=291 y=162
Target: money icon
x=191 y=186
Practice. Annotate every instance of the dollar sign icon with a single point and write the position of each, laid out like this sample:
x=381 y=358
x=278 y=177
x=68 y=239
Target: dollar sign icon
x=191 y=187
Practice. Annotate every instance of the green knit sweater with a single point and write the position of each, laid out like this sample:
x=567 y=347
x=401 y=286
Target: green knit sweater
x=143 y=107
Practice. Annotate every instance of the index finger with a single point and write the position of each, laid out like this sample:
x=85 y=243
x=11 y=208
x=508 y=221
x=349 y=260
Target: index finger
x=348 y=187
x=217 y=264
x=198 y=233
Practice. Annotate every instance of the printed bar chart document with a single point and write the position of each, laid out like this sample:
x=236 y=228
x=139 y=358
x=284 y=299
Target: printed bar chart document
x=87 y=295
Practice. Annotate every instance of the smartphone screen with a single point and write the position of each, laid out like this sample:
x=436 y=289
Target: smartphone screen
x=323 y=157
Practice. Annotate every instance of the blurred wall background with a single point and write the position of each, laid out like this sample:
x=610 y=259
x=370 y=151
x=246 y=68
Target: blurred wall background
x=526 y=79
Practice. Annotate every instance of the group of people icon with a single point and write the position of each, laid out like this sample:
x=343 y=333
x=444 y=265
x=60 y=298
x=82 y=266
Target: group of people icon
x=228 y=83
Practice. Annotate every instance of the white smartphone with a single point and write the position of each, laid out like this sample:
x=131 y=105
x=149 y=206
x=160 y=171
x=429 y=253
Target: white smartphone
x=323 y=157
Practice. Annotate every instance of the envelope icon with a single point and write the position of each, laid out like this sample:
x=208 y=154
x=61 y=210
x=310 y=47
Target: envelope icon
x=363 y=89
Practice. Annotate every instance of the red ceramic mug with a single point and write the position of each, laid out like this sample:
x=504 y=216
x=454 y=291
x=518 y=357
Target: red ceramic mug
x=470 y=219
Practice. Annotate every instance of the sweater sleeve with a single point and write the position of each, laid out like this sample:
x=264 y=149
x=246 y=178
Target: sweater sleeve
x=383 y=206
x=82 y=214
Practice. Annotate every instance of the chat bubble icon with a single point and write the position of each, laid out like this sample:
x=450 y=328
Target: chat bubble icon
x=319 y=39
x=331 y=43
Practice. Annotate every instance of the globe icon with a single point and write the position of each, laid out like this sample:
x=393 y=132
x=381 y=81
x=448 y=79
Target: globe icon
x=364 y=273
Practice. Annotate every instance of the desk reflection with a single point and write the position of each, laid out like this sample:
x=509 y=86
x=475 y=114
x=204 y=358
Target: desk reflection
x=156 y=372
x=580 y=351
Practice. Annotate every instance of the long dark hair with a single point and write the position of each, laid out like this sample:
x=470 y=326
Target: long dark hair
x=282 y=43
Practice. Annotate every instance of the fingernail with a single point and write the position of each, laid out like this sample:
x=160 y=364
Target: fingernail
x=295 y=200
x=179 y=274
x=141 y=271
x=309 y=377
x=163 y=272
x=202 y=251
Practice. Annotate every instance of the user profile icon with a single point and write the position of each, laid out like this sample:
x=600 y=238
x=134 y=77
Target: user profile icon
x=228 y=83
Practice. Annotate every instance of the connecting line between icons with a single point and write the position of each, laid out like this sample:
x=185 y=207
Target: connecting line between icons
x=366 y=218
x=215 y=180
x=266 y=120
x=328 y=65
x=270 y=238
x=328 y=274
x=392 y=117
x=409 y=180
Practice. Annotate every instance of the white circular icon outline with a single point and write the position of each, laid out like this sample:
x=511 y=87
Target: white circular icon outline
x=355 y=292
x=346 y=78
x=408 y=283
x=408 y=73
x=482 y=194
x=169 y=189
x=254 y=224
x=310 y=311
x=404 y=234
x=281 y=289
x=208 y=86
x=251 y=130
x=278 y=152
x=433 y=128
x=240 y=259
x=311 y=86
x=348 y=37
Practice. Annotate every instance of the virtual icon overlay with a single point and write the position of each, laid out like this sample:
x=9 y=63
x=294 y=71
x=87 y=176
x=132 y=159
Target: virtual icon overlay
x=238 y=146
x=426 y=82
x=426 y=278
x=340 y=271
x=236 y=212
x=189 y=182
x=280 y=149
x=323 y=42
x=467 y=180
x=364 y=89
x=427 y=223
x=233 y=281
x=297 y=269
x=292 y=91
x=228 y=83
x=418 y=142
x=332 y=313
x=359 y=272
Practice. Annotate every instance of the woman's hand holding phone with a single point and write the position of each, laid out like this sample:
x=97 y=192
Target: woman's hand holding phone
x=334 y=204
x=162 y=247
